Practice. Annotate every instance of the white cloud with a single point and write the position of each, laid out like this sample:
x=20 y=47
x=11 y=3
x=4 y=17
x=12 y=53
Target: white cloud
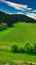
x=34 y=11
x=20 y=13
x=29 y=8
x=32 y=15
x=15 y=13
x=16 y=6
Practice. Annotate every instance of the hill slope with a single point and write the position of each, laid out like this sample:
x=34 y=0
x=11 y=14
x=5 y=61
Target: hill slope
x=20 y=33
x=15 y=18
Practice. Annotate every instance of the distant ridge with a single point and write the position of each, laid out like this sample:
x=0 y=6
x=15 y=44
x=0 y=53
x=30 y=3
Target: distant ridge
x=15 y=18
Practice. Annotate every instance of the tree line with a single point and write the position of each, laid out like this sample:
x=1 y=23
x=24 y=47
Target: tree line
x=10 y=19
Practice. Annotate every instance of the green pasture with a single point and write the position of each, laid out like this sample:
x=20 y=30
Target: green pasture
x=20 y=34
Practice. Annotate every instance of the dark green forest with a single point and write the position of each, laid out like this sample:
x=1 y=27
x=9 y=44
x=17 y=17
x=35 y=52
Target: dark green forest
x=10 y=19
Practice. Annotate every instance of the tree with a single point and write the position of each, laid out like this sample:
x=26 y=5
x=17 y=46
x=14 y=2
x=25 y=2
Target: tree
x=15 y=48
x=29 y=48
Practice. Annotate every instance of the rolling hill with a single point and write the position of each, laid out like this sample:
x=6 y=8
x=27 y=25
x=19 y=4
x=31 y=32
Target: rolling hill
x=9 y=19
x=21 y=33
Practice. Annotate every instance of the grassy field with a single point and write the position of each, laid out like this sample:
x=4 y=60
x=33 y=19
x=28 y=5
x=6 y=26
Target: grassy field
x=5 y=56
x=20 y=34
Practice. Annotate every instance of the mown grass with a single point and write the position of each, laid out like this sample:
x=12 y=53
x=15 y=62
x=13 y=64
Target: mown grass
x=6 y=56
x=20 y=34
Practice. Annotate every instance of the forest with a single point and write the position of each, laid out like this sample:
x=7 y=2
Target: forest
x=10 y=19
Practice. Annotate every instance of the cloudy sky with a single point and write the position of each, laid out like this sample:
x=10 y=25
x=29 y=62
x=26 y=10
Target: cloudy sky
x=26 y=7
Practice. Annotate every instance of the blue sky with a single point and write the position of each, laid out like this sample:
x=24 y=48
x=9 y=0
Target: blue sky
x=30 y=3
x=26 y=7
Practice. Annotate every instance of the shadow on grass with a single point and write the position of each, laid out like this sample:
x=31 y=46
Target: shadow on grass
x=3 y=30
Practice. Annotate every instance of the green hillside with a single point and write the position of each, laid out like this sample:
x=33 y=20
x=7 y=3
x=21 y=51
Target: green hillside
x=20 y=33
x=10 y=19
